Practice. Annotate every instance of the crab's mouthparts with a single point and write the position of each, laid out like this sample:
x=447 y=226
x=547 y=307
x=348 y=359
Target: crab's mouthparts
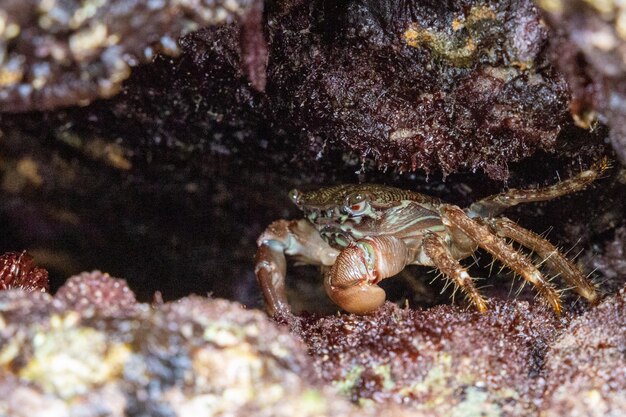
x=326 y=216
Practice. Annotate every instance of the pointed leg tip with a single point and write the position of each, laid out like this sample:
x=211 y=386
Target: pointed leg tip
x=482 y=307
x=602 y=165
x=591 y=296
x=556 y=306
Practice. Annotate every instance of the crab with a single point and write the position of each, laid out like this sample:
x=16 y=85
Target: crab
x=361 y=234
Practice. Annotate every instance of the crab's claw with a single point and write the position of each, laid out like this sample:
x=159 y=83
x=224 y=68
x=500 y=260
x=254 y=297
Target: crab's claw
x=352 y=281
x=350 y=285
x=270 y=267
x=294 y=238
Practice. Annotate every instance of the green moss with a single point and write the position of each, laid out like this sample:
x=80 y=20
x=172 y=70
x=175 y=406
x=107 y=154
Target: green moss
x=346 y=385
x=313 y=403
x=477 y=403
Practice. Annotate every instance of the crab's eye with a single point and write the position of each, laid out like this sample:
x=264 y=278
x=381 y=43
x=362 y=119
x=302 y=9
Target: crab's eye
x=358 y=209
x=356 y=204
x=294 y=195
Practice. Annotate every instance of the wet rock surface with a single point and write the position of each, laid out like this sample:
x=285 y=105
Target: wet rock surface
x=61 y=53
x=585 y=368
x=589 y=47
x=410 y=84
x=62 y=356
x=196 y=356
x=441 y=361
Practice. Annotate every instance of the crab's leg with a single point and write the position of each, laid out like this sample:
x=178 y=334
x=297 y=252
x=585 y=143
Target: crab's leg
x=550 y=255
x=494 y=205
x=297 y=238
x=455 y=218
x=352 y=281
x=440 y=257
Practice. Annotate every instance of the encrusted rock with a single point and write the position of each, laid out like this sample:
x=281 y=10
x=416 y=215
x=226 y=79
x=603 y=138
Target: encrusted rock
x=585 y=368
x=429 y=85
x=192 y=357
x=589 y=47
x=441 y=361
x=61 y=53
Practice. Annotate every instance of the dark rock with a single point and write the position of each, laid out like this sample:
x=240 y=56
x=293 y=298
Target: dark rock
x=589 y=48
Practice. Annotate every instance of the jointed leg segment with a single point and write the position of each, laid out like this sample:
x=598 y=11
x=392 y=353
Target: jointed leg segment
x=495 y=204
x=297 y=238
x=548 y=253
x=455 y=218
x=443 y=260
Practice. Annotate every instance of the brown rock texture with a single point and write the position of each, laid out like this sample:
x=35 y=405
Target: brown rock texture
x=589 y=48
x=429 y=85
x=66 y=356
x=62 y=53
x=585 y=368
x=196 y=356
x=441 y=361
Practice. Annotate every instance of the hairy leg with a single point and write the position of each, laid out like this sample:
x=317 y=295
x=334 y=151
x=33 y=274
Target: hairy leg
x=439 y=254
x=297 y=238
x=495 y=204
x=548 y=253
x=455 y=218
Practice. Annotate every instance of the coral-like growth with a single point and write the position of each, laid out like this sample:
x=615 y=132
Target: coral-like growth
x=441 y=361
x=97 y=291
x=18 y=270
